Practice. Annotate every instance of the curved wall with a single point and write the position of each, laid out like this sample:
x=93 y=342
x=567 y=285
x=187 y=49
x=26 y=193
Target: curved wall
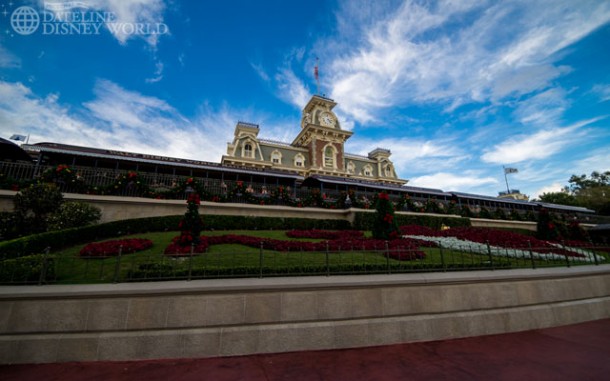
x=245 y=316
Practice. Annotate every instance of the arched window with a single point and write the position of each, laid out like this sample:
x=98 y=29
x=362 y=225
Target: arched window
x=388 y=170
x=276 y=157
x=248 y=151
x=351 y=167
x=329 y=157
x=368 y=170
x=299 y=160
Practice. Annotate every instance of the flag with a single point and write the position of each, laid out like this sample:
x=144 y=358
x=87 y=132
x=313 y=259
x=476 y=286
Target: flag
x=315 y=69
x=510 y=170
x=19 y=138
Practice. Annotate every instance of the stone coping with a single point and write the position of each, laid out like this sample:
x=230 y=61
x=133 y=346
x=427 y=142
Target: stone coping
x=290 y=283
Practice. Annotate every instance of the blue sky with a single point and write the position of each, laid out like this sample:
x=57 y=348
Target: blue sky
x=456 y=89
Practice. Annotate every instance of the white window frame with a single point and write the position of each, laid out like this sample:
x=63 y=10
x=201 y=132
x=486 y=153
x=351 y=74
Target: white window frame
x=299 y=158
x=249 y=153
x=367 y=170
x=276 y=155
x=330 y=162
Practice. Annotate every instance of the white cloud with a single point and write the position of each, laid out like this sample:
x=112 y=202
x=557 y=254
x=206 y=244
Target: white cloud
x=413 y=53
x=412 y=155
x=603 y=91
x=542 y=109
x=451 y=181
x=553 y=188
x=8 y=60
x=597 y=160
x=291 y=89
x=158 y=75
x=536 y=146
x=117 y=119
x=129 y=12
x=260 y=71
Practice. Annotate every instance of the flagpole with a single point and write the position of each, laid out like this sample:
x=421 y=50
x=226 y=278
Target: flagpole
x=315 y=72
x=506 y=179
x=27 y=140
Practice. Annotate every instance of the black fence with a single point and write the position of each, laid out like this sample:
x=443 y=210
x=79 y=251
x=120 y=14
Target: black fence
x=49 y=268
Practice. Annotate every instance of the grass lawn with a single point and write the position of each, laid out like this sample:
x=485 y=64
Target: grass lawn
x=233 y=260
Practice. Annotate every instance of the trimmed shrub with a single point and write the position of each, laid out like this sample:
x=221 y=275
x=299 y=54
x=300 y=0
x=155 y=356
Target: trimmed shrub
x=26 y=269
x=74 y=214
x=366 y=221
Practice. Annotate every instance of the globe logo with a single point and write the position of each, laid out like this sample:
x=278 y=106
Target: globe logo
x=25 y=20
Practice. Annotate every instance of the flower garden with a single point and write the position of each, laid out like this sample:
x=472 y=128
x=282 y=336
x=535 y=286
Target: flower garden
x=200 y=252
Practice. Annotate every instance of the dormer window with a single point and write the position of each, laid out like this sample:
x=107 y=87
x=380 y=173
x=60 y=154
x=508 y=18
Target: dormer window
x=276 y=157
x=299 y=161
x=248 y=152
x=368 y=170
x=351 y=167
x=388 y=170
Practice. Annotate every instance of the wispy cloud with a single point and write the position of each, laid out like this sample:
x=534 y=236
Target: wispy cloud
x=411 y=53
x=553 y=188
x=291 y=88
x=602 y=91
x=451 y=181
x=117 y=119
x=132 y=11
x=8 y=60
x=260 y=71
x=536 y=146
x=158 y=75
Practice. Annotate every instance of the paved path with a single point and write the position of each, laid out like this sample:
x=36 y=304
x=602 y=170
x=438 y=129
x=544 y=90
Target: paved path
x=576 y=352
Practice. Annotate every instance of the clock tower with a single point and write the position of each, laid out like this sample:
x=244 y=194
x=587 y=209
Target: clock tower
x=322 y=136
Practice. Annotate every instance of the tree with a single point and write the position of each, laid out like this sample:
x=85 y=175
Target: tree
x=385 y=223
x=592 y=192
x=33 y=205
x=562 y=198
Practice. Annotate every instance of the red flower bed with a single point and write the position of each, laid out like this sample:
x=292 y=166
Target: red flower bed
x=111 y=248
x=324 y=234
x=420 y=230
x=178 y=249
x=400 y=249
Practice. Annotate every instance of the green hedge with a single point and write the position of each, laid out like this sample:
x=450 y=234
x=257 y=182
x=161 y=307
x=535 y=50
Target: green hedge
x=27 y=269
x=271 y=223
x=56 y=240
x=365 y=221
x=154 y=272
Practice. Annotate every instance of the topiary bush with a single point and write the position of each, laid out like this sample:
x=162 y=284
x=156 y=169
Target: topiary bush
x=74 y=214
x=385 y=224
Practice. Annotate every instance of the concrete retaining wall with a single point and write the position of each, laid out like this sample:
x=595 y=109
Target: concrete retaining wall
x=120 y=208
x=246 y=316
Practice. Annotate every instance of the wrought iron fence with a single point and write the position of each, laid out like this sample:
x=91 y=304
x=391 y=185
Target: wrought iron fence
x=47 y=268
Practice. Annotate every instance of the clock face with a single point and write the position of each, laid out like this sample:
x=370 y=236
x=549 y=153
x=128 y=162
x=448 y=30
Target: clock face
x=327 y=120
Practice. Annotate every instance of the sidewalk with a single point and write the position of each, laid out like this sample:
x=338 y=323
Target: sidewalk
x=576 y=352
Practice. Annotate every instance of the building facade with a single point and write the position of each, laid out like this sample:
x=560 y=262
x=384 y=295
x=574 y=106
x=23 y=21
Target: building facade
x=317 y=150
